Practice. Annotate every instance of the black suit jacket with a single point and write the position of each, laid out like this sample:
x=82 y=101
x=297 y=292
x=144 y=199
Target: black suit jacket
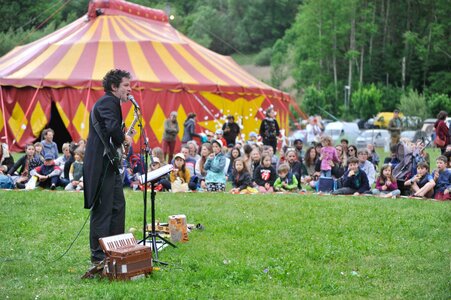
x=108 y=112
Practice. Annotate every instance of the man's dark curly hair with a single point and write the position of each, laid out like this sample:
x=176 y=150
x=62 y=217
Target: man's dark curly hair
x=114 y=78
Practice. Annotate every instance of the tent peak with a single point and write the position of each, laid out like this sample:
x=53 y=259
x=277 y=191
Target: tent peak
x=122 y=7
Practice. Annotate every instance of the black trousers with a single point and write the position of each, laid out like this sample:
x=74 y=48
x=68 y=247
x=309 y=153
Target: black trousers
x=108 y=213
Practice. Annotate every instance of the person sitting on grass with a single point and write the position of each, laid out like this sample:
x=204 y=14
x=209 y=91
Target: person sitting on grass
x=241 y=179
x=386 y=184
x=355 y=181
x=422 y=184
x=180 y=176
x=265 y=175
x=393 y=158
x=76 y=172
x=366 y=166
x=20 y=172
x=286 y=182
x=215 y=165
x=47 y=174
x=442 y=178
x=296 y=168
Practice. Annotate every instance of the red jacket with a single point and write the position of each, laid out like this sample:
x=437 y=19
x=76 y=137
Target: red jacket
x=442 y=131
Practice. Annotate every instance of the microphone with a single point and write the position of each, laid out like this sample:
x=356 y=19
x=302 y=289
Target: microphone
x=133 y=101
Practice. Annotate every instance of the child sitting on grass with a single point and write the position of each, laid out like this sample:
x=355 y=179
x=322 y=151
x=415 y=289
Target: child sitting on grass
x=265 y=175
x=241 y=179
x=355 y=181
x=180 y=175
x=422 y=184
x=442 y=178
x=286 y=182
x=386 y=185
x=76 y=172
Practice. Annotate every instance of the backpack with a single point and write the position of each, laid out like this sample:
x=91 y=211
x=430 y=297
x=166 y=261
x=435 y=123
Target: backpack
x=6 y=182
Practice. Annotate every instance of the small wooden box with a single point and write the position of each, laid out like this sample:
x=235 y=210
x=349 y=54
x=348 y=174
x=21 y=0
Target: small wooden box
x=125 y=259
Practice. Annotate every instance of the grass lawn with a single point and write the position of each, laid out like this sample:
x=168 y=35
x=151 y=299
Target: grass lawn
x=253 y=247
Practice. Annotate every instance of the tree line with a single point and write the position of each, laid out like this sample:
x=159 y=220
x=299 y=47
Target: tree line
x=351 y=58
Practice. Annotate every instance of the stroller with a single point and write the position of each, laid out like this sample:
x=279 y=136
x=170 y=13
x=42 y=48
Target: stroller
x=406 y=168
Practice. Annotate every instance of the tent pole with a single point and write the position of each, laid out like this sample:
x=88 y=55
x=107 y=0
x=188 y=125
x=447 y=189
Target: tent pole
x=4 y=115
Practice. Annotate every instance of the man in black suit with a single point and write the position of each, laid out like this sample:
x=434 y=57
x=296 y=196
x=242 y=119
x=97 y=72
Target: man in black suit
x=103 y=192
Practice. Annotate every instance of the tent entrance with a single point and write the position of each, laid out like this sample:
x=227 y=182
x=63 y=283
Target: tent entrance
x=56 y=123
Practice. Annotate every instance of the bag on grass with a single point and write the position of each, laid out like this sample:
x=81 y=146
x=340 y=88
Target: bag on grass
x=325 y=185
x=6 y=182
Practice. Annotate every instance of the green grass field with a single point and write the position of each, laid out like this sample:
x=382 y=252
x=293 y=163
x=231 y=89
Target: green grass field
x=253 y=247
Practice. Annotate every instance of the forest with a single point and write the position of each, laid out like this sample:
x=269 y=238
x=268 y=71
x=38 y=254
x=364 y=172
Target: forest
x=349 y=58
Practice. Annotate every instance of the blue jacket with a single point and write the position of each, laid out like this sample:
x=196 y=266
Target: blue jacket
x=443 y=181
x=215 y=169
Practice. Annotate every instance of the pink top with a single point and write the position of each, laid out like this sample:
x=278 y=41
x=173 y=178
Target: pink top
x=329 y=154
x=393 y=186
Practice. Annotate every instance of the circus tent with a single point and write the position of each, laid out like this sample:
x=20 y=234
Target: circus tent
x=169 y=73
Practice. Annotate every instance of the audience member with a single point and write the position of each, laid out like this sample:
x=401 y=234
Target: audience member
x=190 y=163
x=286 y=181
x=241 y=179
x=47 y=174
x=269 y=129
x=442 y=178
x=231 y=130
x=366 y=166
x=372 y=156
x=422 y=184
x=6 y=160
x=355 y=181
x=298 y=145
x=328 y=156
x=193 y=150
x=215 y=164
x=234 y=154
x=48 y=145
x=352 y=151
x=265 y=175
x=179 y=176
x=189 y=128
x=171 y=129
x=386 y=184
x=76 y=172
x=20 y=171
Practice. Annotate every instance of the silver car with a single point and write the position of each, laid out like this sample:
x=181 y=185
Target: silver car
x=377 y=137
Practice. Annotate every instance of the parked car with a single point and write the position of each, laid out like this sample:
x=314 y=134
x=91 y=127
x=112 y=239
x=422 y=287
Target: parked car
x=377 y=137
x=415 y=135
x=340 y=130
x=297 y=134
x=383 y=118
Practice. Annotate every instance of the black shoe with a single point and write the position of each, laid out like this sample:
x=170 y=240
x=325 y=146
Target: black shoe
x=53 y=186
x=20 y=185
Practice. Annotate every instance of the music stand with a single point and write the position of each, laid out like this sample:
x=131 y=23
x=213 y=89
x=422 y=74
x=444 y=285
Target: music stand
x=152 y=177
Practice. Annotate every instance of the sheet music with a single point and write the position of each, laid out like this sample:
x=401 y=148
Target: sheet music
x=155 y=174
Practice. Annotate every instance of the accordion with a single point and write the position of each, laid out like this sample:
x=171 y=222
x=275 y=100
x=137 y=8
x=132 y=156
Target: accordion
x=125 y=259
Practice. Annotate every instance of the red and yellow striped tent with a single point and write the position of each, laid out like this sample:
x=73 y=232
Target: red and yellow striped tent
x=170 y=73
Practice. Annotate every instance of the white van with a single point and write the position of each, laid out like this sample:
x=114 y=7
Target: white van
x=342 y=130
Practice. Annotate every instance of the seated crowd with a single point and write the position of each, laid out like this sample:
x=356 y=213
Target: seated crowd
x=249 y=166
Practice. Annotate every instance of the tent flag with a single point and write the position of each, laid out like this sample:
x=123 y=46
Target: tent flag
x=169 y=72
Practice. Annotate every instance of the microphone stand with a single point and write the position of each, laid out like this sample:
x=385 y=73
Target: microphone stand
x=153 y=235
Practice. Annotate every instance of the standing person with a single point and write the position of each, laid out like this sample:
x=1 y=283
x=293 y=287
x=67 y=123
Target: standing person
x=104 y=193
x=48 y=145
x=231 y=130
x=328 y=156
x=395 y=127
x=442 y=131
x=171 y=129
x=313 y=130
x=269 y=129
x=189 y=128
